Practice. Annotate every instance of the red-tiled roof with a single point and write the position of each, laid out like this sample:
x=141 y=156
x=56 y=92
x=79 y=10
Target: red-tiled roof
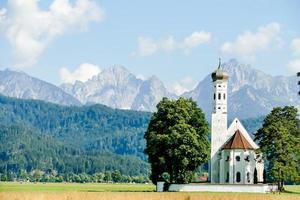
x=237 y=141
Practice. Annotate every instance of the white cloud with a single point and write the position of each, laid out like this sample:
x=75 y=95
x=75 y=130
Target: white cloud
x=294 y=66
x=142 y=77
x=295 y=46
x=2 y=14
x=196 y=39
x=183 y=85
x=248 y=44
x=168 y=44
x=148 y=46
x=83 y=73
x=30 y=29
x=178 y=89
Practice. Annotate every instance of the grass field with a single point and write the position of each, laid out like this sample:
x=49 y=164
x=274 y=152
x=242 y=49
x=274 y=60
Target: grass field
x=78 y=187
x=61 y=191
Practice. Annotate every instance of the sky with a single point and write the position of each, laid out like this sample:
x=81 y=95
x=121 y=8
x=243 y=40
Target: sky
x=178 y=41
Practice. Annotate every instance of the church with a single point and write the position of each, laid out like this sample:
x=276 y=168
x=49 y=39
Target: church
x=234 y=156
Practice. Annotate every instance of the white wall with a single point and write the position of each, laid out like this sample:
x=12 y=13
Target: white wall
x=258 y=188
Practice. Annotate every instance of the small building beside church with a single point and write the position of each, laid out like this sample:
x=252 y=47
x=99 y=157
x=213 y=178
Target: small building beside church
x=234 y=157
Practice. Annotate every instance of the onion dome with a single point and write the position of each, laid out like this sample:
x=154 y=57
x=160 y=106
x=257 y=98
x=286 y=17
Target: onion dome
x=219 y=74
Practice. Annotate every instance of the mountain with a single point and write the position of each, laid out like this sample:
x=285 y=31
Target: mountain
x=70 y=139
x=20 y=85
x=118 y=88
x=251 y=93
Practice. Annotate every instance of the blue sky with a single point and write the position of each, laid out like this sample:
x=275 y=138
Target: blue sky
x=178 y=41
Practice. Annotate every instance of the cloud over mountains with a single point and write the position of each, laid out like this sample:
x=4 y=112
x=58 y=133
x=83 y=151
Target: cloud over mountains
x=248 y=44
x=148 y=46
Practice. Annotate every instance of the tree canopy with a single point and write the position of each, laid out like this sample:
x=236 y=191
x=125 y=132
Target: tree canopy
x=279 y=140
x=177 y=140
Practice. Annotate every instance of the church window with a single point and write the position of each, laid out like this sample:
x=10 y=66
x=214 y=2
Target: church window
x=238 y=158
x=219 y=108
x=224 y=96
x=238 y=177
x=219 y=96
x=228 y=158
x=219 y=85
x=214 y=96
x=248 y=177
x=247 y=158
x=227 y=177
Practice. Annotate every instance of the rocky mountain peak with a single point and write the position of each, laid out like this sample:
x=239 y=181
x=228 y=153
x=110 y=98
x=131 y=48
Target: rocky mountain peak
x=20 y=85
x=119 y=88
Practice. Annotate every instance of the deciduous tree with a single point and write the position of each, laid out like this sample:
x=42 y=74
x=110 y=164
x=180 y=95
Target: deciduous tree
x=177 y=140
x=279 y=140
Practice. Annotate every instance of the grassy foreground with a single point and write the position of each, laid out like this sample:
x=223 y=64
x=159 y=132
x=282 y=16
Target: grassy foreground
x=70 y=191
x=78 y=187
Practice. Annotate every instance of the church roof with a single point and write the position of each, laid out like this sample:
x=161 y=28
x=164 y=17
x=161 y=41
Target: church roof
x=237 y=141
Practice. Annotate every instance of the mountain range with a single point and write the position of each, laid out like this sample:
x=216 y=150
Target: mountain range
x=251 y=92
x=118 y=88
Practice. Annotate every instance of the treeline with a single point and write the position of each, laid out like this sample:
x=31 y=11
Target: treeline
x=52 y=176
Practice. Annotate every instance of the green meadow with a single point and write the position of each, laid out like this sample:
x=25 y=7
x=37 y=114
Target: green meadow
x=81 y=187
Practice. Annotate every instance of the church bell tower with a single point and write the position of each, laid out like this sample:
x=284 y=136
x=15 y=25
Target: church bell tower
x=218 y=120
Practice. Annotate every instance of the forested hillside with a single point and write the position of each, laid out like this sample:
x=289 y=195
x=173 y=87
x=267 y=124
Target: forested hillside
x=89 y=139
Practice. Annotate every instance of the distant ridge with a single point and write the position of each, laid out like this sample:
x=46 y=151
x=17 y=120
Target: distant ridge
x=20 y=85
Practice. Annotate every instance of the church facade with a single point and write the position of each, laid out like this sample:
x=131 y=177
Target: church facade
x=234 y=156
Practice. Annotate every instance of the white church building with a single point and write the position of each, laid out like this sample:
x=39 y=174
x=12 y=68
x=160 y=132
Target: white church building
x=235 y=162
x=234 y=157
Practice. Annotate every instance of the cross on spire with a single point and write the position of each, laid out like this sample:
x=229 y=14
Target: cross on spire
x=219 y=63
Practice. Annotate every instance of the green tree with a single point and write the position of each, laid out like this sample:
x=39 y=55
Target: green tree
x=36 y=174
x=177 y=140
x=116 y=176
x=107 y=176
x=279 y=140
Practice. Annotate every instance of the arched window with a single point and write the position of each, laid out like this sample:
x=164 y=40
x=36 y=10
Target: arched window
x=237 y=158
x=224 y=96
x=238 y=177
x=219 y=96
x=214 y=96
x=227 y=177
x=248 y=177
